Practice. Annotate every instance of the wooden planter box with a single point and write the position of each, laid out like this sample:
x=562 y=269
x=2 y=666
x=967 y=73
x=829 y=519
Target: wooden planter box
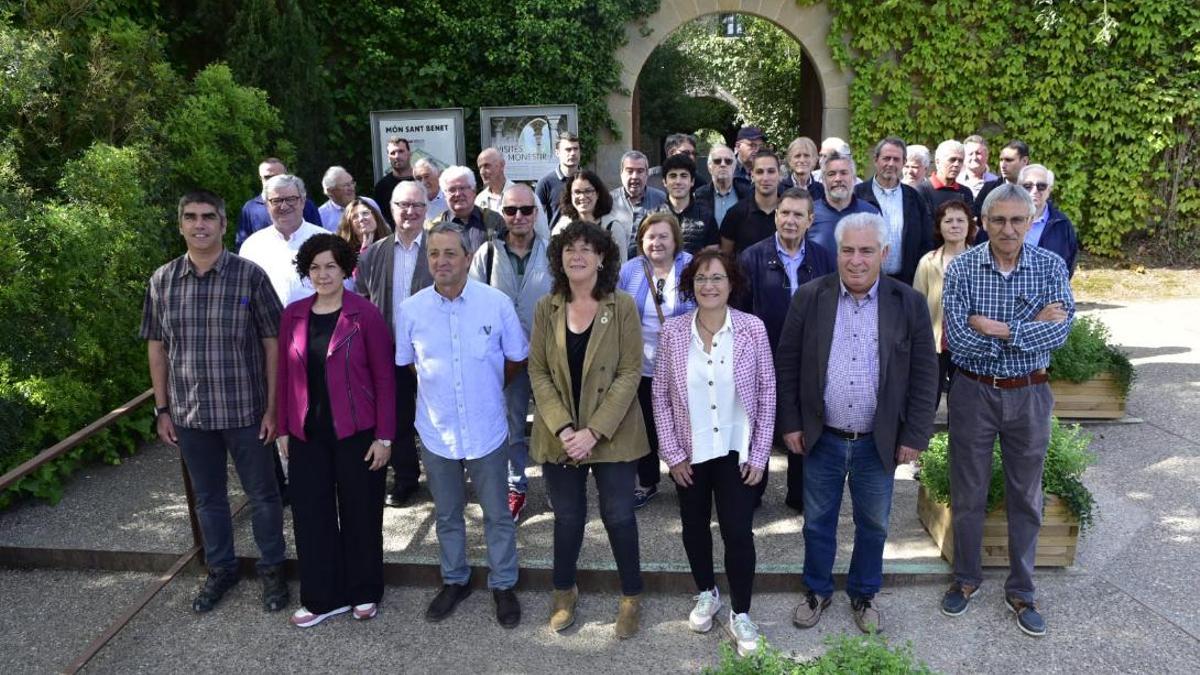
x=1056 y=541
x=1097 y=398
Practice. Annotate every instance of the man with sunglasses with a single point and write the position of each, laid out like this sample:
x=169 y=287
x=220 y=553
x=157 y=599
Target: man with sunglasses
x=516 y=264
x=723 y=192
x=1050 y=229
x=491 y=165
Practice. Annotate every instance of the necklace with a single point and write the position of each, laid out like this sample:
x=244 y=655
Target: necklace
x=706 y=328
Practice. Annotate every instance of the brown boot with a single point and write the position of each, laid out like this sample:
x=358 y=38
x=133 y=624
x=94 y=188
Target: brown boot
x=562 y=609
x=629 y=615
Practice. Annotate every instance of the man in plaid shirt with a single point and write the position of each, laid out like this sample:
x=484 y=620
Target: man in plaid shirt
x=211 y=320
x=1008 y=305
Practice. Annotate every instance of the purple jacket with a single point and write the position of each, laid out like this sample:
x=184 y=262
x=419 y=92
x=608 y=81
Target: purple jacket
x=358 y=370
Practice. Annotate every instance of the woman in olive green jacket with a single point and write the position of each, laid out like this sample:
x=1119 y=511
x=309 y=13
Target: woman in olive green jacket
x=585 y=363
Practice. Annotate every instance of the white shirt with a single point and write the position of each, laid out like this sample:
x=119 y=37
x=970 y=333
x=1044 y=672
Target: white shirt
x=277 y=256
x=719 y=422
x=650 y=323
x=436 y=207
x=404 y=266
x=492 y=200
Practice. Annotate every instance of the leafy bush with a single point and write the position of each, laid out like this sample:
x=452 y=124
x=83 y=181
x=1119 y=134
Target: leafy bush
x=1067 y=457
x=1088 y=352
x=846 y=654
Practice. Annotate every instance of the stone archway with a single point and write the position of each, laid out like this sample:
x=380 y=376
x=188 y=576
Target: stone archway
x=808 y=25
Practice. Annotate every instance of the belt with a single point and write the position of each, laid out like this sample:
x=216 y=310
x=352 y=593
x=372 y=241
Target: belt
x=1036 y=377
x=848 y=435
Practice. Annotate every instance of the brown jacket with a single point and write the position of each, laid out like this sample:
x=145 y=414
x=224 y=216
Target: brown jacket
x=612 y=370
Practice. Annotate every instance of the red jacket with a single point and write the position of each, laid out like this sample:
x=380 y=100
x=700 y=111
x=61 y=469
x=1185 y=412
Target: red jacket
x=358 y=370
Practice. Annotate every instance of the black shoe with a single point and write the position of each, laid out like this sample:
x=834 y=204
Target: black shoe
x=401 y=496
x=508 y=609
x=795 y=505
x=642 y=496
x=215 y=586
x=275 y=595
x=446 y=600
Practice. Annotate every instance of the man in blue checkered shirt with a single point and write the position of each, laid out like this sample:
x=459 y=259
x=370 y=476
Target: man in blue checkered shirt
x=1008 y=305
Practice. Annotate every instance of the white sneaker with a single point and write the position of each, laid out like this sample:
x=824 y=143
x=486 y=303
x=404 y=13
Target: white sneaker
x=303 y=618
x=708 y=603
x=744 y=633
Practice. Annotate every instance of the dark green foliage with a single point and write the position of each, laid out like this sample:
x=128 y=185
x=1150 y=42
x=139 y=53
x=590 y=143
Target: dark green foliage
x=1067 y=457
x=1088 y=352
x=845 y=654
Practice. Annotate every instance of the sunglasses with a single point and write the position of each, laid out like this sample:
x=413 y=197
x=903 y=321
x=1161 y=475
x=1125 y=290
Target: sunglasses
x=721 y=160
x=1041 y=187
x=512 y=210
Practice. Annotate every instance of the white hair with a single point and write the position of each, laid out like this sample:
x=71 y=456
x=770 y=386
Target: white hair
x=948 y=147
x=453 y=173
x=283 y=181
x=410 y=183
x=1007 y=192
x=331 y=175
x=919 y=153
x=861 y=221
x=1036 y=167
x=839 y=157
x=425 y=162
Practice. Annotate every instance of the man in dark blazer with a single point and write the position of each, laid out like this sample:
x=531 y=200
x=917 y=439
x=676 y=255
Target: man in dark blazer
x=857 y=378
x=404 y=252
x=900 y=204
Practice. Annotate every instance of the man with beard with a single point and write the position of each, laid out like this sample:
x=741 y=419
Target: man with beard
x=398 y=157
x=908 y=223
x=839 y=201
x=549 y=188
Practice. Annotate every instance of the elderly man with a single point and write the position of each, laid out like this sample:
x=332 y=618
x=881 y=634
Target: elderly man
x=801 y=159
x=857 y=378
x=840 y=200
x=549 y=188
x=676 y=144
x=723 y=192
x=517 y=265
x=339 y=187
x=478 y=224
x=916 y=173
x=948 y=163
x=255 y=215
x=1050 y=228
x=428 y=174
x=1013 y=158
x=696 y=220
x=389 y=272
x=464 y=341
x=829 y=147
x=750 y=141
x=1008 y=305
x=975 y=173
x=907 y=217
x=399 y=154
x=753 y=218
x=491 y=167
x=211 y=320
x=274 y=248
x=634 y=198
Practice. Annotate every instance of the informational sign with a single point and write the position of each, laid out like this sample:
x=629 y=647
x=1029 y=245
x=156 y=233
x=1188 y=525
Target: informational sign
x=526 y=136
x=436 y=135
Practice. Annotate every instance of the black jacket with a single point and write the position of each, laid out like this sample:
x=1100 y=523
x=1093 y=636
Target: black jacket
x=767 y=293
x=918 y=227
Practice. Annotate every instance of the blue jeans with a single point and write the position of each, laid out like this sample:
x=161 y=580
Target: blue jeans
x=204 y=454
x=447 y=482
x=826 y=466
x=516 y=399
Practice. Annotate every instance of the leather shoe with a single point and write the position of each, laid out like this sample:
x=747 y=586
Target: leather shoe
x=275 y=594
x=215 y=587
x=400 y=497
x=508 y=608
x=446 y=600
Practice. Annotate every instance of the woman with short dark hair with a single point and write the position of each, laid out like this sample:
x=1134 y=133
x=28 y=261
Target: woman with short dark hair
x=585 y=362
x=336 y=416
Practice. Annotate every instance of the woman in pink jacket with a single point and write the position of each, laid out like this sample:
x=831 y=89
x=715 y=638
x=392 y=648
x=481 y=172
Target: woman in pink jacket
x=336 y=412
x=714 y=404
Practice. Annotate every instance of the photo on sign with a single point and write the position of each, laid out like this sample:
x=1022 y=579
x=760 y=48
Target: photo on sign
x=526 y=136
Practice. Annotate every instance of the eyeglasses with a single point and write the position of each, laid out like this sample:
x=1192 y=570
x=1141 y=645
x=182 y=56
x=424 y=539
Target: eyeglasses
x=279 y=201
x=720 y=161
x=587 y=192
x=409 y=205
x=714 y=280
x=524 y=210
x=1041 y=187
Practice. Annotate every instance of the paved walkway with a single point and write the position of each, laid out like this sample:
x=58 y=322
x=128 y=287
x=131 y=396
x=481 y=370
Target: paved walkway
x=1124 y=607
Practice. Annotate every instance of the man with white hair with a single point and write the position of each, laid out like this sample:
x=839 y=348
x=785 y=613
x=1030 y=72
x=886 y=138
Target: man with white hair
x=254 y=215
x=916 y=173
x=839 y=202
x=339 y=187
x=948 y=163
x=428 y=174
x=1050 y=228
x=975 y=173
x=634 y=198
x=723 y=192
x=852 y=408
x=491 y=165
x=829 y=147
x=478 y=224
x=274 y=248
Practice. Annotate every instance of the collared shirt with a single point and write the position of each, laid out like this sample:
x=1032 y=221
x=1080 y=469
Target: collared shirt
x=404 y=266
x=791 y=263
x=492 y=201
x=331 y=213
x=255 y=217
x=1037 y=227
x=437 y=206
x=212 y=327
x=268 y=249
x=891 y=203
x=972 y=183
x=746 y=224
x=852 y=375
x=723 y=201
x=549 y=190
x=826 y=218
x=459 y=347
x=720 y=424
x=974 y=285
x=651 y=326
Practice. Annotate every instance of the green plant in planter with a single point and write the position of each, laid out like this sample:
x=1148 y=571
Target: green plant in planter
x=1088 y=352
x=846 y=654
x=1067 y=457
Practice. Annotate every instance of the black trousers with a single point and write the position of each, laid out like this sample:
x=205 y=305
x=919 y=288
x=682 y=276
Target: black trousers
x=337 y=515
x=795 y=479
x=720 y=478
x=648 y=469
x=946 y=370
x=406 y=467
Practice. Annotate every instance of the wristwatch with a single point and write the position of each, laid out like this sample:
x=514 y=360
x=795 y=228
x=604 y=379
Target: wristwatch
x=386 y=444
x=158 y=410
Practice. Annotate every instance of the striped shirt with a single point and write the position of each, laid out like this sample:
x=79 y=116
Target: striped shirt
x=973 y=285
x=852 y=374
x=212 y=327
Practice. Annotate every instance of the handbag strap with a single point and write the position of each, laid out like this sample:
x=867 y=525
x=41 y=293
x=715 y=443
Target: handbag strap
x=653 y=291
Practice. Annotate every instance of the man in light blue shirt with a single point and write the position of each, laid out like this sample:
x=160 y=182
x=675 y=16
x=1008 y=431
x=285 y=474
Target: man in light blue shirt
x=339 y=186
x=464 y=340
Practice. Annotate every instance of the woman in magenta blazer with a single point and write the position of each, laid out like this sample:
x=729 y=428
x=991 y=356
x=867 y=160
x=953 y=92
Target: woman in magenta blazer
x=336 y=411
x=714 y=405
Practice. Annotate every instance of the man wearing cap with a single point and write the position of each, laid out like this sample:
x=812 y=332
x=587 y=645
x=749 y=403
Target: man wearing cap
x=749 y=141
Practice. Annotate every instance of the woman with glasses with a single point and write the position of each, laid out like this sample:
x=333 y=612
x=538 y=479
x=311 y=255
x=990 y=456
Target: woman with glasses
x=587 y=199
x=585 y=362
x=714 y=403
x=652 y=278
x=953 y=231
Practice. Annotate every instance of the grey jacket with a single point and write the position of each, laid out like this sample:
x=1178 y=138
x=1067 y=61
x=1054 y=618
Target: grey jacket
x=524 y=291
x=376 y=266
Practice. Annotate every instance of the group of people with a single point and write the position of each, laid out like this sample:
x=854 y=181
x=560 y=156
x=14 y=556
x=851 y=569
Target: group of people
x=803 y=312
